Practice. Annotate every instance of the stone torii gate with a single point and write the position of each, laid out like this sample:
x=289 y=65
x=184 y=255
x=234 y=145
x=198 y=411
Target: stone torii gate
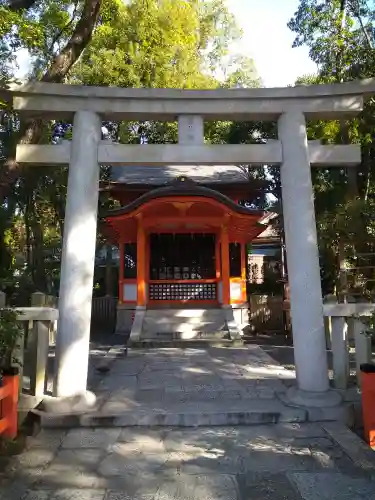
x=290 y=107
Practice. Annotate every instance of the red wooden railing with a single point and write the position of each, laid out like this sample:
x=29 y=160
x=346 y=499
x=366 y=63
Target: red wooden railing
x=9 y=403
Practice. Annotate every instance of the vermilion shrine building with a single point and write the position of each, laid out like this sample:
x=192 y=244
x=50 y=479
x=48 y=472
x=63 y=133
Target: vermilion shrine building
x=182 y=243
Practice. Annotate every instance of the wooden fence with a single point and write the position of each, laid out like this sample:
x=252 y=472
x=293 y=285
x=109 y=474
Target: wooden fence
x=266 y=313
x=103 y=314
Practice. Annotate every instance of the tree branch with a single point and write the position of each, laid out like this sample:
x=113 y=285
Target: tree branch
x=64 y=28
x=357 y=14
x=32 y=130
x=80 y=38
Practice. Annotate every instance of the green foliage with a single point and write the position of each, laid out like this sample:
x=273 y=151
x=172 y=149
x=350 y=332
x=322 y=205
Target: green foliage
x=241 y=72
x=340 y=36
x=10 y=333
x=42 y=29
x=217 y=31
x=162 y=44
x=137 y=43
x=337 y=33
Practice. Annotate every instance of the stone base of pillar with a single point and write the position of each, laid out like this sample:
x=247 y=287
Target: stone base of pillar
x=69 y=404
x=124 y=319
x=232 y=325
x=136 y=330
x=327 y=399
x=319 y=406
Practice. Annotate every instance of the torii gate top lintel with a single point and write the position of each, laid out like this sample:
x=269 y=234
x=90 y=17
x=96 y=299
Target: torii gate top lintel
x=315 y=101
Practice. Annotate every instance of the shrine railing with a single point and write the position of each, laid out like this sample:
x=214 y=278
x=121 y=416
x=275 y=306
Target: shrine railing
x=183 y=291
x=344 y=326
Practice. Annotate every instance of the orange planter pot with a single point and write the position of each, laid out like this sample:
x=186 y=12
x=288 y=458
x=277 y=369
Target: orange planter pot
x=368 y=402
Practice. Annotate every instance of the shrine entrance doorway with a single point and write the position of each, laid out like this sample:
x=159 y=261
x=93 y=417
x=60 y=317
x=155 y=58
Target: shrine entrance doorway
x=182 y=267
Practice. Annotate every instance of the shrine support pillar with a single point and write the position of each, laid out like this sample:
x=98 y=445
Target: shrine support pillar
x=141 y=264
x=78 y=257
x=121 y=271
x=225 y=275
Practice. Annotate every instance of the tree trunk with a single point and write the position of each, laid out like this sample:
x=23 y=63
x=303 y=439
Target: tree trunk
x=31 y=131
x=59 y=209
x=108 y=271
x=343 y=277
x=78 y=42
x=38 y=270
x=28 y=235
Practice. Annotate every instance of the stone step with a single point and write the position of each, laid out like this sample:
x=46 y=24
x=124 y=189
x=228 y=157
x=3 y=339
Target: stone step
x=170 y=328
x=151 y=342
x=185 y=335
x=184 y=313
x=203 y=325
x=178 y=316
x=186 y=321
x=254 y=412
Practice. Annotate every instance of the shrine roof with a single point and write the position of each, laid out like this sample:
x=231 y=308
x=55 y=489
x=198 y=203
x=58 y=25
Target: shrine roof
x=183 y=186
x=161 y=175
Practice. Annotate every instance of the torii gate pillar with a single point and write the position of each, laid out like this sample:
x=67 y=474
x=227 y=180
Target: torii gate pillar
x=78 y=257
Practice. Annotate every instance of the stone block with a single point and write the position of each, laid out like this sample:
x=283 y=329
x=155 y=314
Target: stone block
x=34 y=459
x=208 y=462
x=332 y=486
x=128 y=435
x=73 y=469
x=124 y=319
x=141 y=494
x=78 y=403
x=274 y=461
x=114 y=381
x=300 y=430
x=147 y=445
x=66 y=494
x=358 y=451
x=118 y=464
x=116 y=407
x=91 y=438
x=128 y=366
x=266 y=487
x=47 y=439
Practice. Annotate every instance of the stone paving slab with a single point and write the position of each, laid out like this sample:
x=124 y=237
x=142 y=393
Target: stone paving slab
x=91 y=438
x=276 y=462
x=66 y=494
x=333 y=486
x=276 y=486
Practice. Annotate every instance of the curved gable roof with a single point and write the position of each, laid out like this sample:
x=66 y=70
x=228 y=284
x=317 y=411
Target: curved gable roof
x=161 y=175
x=183 y=186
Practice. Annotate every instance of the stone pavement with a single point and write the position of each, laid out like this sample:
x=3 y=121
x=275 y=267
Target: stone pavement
x=283 y=461
x=191 y=387
x=193 y=398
